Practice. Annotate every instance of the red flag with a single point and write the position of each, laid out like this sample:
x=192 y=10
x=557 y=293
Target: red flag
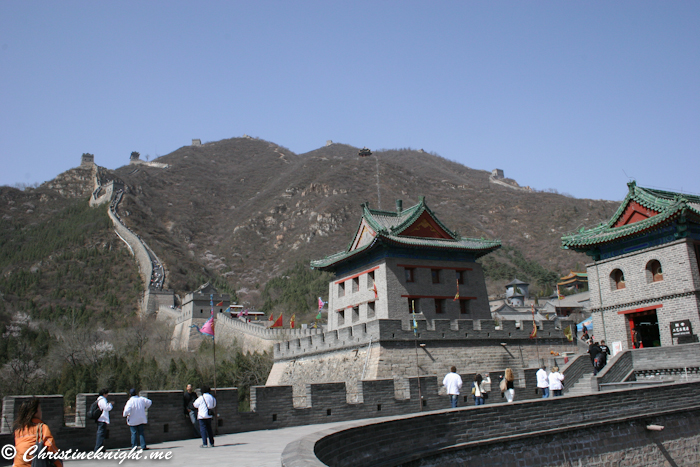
x=272 y=317
x=374 y=287
x=278 y=323
x=291 y=321
x=220 y=304
x=457 y=295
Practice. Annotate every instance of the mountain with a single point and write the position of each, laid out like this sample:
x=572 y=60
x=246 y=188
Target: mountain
x=247 y=210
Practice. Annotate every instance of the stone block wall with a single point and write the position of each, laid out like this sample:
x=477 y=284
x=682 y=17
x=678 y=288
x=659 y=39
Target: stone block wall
x=140 y=253
x=677 y=293
x=273 y=407
x=355 y=290
x=474 y=287
x=615 y=415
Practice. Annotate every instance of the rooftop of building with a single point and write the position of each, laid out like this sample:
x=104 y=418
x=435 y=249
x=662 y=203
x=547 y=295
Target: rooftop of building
x=642 y=210
x=415 y=227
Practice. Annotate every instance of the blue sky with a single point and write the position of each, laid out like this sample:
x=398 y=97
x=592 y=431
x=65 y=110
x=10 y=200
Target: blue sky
x=575 y=96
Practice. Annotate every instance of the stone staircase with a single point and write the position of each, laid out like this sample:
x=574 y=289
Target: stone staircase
x=582 y=386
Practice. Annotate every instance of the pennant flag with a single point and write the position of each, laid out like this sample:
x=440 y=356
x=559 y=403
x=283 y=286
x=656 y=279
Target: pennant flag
x=220 y=304
x=413 y=312
x=291 y=321
x=245 y=312
x=314 y=326
x=533 y=334
x=374 y=288
x=272 y=317
x=321 y=304
x=207 y=328
x=568 y=334
x=318 y=316
x=239 y=314
x=278 y=323
x=559 y=295
x=457 y=295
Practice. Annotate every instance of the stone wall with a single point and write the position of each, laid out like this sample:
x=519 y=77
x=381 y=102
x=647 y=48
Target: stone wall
x=158 y=165
x=355 y=290
x=601 y=426
x=677 y=293
x=141 y=255
x=273 y=407
x=384 y=349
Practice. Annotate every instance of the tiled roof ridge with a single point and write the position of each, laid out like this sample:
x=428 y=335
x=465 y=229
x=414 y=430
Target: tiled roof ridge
x=669 y=205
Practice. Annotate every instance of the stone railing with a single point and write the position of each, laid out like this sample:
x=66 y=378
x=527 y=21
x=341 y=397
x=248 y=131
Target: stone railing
x=522 y=433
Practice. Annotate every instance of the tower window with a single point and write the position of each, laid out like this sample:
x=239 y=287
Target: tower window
x=439 y=306
x=654 y=271
x=436 y=275
x=617 y=279
x=409 y=274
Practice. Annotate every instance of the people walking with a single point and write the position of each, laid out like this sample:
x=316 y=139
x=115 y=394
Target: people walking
x=190 y=411
x=543 y=381
x=136 y=418
x=30 y=431
x=509 y=387
x=556 y=382
x=453 y=384
x=205 y=412
x=637 y=339
x=105 y=406
x=478 y=391
x=593 y=352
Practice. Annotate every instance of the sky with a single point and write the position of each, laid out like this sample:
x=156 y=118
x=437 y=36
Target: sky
x=579 y=97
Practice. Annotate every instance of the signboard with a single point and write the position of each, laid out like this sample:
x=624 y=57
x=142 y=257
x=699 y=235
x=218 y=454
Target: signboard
x=681 y=328
x=617 y=348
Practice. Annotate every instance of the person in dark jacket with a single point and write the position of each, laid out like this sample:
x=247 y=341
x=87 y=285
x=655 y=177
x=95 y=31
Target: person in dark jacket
x=593 y=351
x=190 y=412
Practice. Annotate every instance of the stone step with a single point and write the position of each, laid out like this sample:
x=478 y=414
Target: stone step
x=582 y=386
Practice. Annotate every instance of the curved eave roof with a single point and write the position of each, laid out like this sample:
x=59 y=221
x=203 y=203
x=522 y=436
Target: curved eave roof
x=479 y=247
x=668 y=205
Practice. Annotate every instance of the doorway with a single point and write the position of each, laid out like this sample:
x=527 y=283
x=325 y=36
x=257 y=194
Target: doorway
x=647 y=324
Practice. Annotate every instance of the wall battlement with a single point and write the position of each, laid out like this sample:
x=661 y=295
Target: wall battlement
x=386 y=330
x=273 y=406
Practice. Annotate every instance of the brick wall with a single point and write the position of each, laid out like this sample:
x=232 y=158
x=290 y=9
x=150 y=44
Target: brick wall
x=677 y=293
x=620 y=416
x=273 y=406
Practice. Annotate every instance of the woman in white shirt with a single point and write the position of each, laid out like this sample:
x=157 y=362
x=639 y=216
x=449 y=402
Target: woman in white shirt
x=204 y=404
x=555 y=382
x=478 y=389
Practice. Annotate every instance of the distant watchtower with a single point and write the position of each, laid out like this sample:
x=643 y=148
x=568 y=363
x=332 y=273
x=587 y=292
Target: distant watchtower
x=196 y=142
x=135 y=156
x=497 y=173
x=87 y=160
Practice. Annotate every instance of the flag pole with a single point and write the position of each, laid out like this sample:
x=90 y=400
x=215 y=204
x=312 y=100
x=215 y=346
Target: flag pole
x=213 y=341
x=537 y=338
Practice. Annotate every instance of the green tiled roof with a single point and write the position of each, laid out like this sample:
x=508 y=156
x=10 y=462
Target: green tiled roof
x=389 y=225
x=669 y=206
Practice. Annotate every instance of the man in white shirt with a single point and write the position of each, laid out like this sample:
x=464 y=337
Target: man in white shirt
x=135 y=413
x=205 y=411
x=453 y=383
x=102 y=422
x=543 y=381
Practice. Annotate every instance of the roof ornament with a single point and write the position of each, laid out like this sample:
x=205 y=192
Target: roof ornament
x=364 y=152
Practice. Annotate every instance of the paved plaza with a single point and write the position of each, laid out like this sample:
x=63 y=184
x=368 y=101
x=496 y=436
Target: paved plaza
x=250 y=449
